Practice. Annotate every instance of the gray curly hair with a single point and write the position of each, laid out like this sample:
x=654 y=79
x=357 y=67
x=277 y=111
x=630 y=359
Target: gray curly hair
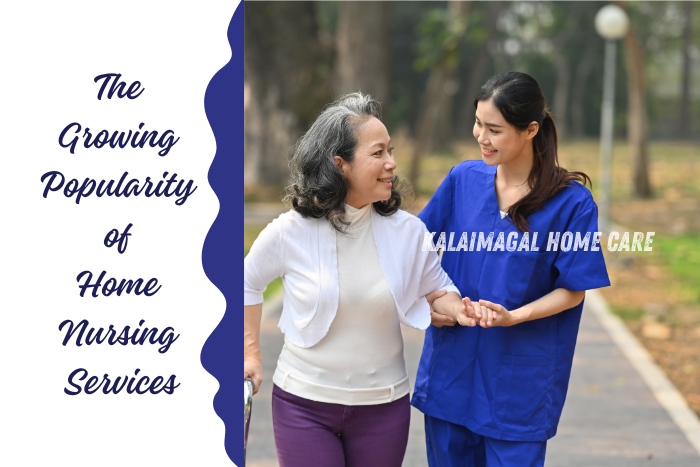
x=318 y=188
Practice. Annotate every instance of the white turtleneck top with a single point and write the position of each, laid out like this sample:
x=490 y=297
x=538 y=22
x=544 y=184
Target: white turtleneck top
x=360 y=360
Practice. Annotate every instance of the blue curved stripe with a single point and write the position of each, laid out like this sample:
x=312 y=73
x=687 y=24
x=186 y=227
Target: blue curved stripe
x=222 y=254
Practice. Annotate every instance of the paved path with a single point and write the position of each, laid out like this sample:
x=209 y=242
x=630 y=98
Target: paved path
x=611 y=418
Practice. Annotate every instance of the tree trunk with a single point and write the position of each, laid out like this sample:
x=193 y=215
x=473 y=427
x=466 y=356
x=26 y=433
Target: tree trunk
x=562 y=57
x=578 y=95
x=684 y=115
x=561 y=91
x=478 y=70
x=286 y=87
x=437 y=91
x=637 y=127
x=362 y=45
x=444 y=135
x=476 y=77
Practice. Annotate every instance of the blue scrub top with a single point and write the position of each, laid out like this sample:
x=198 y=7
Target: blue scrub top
x=506 y=383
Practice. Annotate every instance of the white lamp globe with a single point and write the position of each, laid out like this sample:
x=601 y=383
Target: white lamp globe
x=611 y=22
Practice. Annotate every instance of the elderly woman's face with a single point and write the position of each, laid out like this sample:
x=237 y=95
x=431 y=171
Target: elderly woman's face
x=370 y=174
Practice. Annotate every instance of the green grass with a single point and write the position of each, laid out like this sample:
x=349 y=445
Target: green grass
x=674 y=170
x=273 y=288
x=673 y=164
x=674 y=167
x=250 y=233
x=628 y=313
x=681 y=255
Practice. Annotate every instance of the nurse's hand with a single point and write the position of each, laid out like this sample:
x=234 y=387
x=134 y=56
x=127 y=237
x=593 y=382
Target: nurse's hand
x=451 y=305
x=434 y=295
x=436 y=319
x=494 y=314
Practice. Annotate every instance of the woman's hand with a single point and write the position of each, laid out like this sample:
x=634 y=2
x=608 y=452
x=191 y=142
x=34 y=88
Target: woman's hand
x=252 y=357
x=252 y=368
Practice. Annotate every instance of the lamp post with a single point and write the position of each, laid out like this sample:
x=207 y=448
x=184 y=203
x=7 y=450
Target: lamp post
x=612 y=23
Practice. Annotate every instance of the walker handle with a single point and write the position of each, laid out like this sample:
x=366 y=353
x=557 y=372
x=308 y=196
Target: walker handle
x=248 y=387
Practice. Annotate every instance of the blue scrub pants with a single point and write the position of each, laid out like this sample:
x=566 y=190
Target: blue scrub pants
x=451 y=445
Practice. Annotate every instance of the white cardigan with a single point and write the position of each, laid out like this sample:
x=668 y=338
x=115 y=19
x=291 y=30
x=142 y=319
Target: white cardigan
x=303 y=252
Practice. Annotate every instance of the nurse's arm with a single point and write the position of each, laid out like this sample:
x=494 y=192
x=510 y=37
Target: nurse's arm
x=252 y=358
x=554 y=302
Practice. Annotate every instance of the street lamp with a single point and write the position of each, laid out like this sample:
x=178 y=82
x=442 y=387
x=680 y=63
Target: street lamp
x=612 y=23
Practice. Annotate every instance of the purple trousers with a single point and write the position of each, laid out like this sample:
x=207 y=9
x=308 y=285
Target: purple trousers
x=318 y=434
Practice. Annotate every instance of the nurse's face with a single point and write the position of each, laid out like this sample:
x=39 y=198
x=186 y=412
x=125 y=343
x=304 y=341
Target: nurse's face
x=501 y=143
x=370 y=174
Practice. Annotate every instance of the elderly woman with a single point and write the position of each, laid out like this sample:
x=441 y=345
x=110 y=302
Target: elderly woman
x=354 y=268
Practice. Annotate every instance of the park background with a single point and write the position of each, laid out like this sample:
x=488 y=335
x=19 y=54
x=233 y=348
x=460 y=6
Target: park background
x=425 y=62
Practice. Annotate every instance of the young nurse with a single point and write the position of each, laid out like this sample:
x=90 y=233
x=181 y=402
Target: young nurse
x=493 y=394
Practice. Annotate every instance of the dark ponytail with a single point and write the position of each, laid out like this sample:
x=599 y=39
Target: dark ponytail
x=520 y=100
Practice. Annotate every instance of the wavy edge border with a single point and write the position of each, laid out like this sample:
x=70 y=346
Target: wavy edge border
x=221 y=253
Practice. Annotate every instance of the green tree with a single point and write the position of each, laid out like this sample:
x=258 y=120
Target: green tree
x=438 y=51
x=287 y=80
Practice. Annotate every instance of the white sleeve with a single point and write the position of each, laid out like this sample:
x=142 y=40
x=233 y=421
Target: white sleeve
x=433 y=277
x=263 y=263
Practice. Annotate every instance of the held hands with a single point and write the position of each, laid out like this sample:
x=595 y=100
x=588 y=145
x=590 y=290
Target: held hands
x=252 y=368
x=491 y=314
x=449 y=311
x=488 y=314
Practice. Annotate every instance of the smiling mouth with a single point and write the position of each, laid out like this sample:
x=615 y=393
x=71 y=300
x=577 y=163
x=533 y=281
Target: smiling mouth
x=487 y=151
x=386 y=181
